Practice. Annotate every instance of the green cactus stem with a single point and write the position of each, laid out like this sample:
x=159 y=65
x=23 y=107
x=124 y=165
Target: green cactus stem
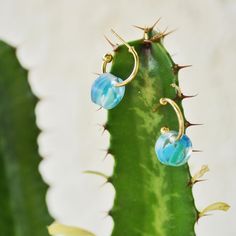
x=23 y=210
x=151 y=199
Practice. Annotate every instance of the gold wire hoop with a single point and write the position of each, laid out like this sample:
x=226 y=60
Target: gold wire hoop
x=164 y=101
x=108 y=58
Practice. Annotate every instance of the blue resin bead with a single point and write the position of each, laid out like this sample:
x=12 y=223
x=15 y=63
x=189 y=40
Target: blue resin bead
x=105 y=93
x=173 y=152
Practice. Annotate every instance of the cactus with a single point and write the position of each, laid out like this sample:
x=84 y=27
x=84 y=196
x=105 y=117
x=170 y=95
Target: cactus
x=151 y=198
x=22 y=191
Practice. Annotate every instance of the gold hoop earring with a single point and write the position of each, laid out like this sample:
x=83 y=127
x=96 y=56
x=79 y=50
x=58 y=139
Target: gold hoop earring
x=164 y=101
x=108 y=90
x=173 y=148
x=108 y=58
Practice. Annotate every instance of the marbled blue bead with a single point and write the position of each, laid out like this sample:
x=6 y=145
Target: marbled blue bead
x=105 y=93
x=173 y=152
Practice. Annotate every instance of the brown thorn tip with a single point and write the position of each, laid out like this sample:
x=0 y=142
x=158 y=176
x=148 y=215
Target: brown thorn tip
x=105 y=157
x=188 y=96
x=167 y=33
x=104 y=127
x=95 y=73
x=108 y=152
x=188 y=124
x=114 y=46
x=102 y=185
x=154 y=25
x=198 y=181
x=178 y=67
x=148 y=29
x=184 y=66
x=139 y=27
x=197 y=150
x=199 y=217
x=103 y=131
x=190 y=183
x=157 y=37
x=99 y=108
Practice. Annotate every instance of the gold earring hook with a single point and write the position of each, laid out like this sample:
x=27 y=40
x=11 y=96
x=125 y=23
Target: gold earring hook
x=164 y=101
x=108 y=58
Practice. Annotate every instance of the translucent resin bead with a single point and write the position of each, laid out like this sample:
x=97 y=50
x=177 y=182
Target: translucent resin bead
x=104 y=92
x=173 y=152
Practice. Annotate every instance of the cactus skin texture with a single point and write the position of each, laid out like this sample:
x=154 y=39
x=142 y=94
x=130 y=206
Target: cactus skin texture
x=23 y=210
x=151 y=199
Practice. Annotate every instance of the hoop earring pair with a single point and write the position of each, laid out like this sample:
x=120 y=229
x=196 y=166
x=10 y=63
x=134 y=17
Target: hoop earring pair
x=172 y=148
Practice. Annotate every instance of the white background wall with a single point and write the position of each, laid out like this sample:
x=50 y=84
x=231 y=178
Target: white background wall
x=61 y=43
